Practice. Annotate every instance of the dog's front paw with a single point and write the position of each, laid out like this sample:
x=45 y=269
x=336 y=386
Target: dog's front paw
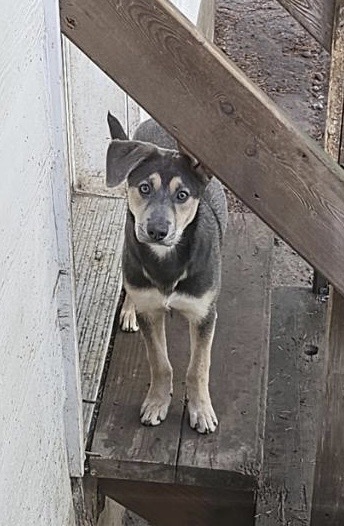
x=154 y=409
x=127 y=318
x=202 y=416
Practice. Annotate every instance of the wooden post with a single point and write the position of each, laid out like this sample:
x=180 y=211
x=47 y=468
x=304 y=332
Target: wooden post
x=328 y=491
x=315 y=15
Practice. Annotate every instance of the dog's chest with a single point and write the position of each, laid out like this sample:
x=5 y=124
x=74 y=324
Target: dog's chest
x=151 y=299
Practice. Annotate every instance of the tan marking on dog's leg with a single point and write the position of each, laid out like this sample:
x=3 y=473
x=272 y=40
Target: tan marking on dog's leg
x=155 y=406
x=127 y=317
x=202 y=414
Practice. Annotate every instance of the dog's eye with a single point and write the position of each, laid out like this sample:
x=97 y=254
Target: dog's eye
x=182 y=195
x=144 y=189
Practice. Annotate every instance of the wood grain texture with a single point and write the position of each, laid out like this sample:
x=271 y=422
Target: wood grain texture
x=328 y=496
x=296 y=362
x=98 y=238
x=221 y=117
x=122 y=447
x=335 y=103
x=172 y=504
x=239 y=363
x=315 y=15
x=172 y=453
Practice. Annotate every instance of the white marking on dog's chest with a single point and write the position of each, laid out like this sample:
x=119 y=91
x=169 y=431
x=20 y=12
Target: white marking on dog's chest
x=148 y=300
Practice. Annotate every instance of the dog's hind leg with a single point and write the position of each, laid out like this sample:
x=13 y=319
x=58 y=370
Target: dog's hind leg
x=202 y=415
x=154 y=408
x=127 y=317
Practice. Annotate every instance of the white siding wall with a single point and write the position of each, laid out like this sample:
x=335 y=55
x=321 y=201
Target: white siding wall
x=34 y=477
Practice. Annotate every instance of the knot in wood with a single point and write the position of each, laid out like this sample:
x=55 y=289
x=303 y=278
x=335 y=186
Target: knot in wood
x=226 y=107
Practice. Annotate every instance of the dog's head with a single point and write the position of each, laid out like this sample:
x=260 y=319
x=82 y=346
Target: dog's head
x=164 y=187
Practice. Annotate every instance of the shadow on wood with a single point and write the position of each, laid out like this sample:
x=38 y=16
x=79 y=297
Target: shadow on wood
x=173 y=504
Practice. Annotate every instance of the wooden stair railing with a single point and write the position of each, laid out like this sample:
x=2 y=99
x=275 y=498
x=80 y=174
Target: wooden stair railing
x=216 y=113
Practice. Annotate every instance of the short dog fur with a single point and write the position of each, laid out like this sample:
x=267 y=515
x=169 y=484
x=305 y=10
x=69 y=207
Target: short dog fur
x=176 y=220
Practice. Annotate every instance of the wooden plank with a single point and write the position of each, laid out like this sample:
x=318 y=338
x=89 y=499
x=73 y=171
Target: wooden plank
x=335 y=103
x=239 y=362
x=124 y=449
x=328 y=496
x=294 y=391
x=171 y=504
x=188 y=85
x=315 y=15
x=97 y=237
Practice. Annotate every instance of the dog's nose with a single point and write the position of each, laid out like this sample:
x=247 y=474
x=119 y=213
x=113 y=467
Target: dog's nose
x=157 y=233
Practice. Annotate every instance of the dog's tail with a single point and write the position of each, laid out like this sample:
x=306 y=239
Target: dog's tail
x=116 y=129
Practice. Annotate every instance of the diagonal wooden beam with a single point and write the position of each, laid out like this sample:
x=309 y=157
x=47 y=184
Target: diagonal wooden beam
x=214 y=110
x=314 y=15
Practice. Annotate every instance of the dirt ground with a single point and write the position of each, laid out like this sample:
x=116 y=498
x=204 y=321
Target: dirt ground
x=287 y=64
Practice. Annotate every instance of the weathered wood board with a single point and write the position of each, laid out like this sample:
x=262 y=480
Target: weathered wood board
x=175 y=504
x=239 y=363
x=296 y=364
x=97 y=237
x=171 y=453
x=328 y=495
x=315 y=15
x=213 y=109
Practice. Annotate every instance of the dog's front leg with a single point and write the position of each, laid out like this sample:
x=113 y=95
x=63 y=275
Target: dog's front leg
x=202 y=415
x=154 y=408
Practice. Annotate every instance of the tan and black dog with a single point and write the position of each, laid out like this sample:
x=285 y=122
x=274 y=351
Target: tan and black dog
x=176 y=220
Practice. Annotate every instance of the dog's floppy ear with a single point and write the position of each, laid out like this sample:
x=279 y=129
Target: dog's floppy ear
x=123 y=157
x=116 y=130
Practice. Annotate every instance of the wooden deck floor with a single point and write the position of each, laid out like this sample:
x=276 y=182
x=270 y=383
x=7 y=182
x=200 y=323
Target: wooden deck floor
x=173 y=454
x=282 y=470
x=296 y=361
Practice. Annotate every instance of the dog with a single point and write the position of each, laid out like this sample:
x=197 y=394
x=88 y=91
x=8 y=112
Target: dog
x=176 y=221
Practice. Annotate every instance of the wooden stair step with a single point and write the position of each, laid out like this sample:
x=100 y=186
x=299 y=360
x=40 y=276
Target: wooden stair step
x=97 y=242
x=127 y=454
